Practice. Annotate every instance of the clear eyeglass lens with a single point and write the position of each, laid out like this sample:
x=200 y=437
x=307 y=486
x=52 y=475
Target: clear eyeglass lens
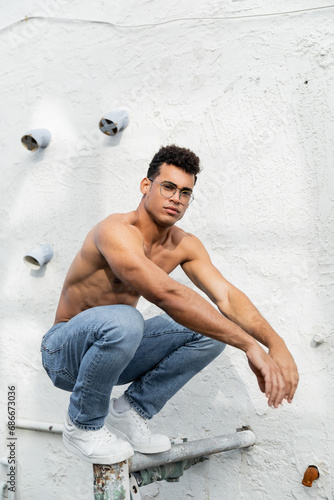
x=168 y=190
x=185 y=197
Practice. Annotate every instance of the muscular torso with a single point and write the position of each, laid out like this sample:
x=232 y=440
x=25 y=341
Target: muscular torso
x=90 y=280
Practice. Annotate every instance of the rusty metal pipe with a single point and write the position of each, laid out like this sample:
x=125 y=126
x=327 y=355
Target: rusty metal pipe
x=193 y=449
x=111 y=482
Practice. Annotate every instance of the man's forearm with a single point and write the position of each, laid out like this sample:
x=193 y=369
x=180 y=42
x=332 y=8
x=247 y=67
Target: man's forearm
x=192 y=311
x=242 y=311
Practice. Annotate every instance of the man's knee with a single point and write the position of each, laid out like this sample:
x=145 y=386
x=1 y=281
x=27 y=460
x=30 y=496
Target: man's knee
x=218 y=347
x=211 y=347
x=121 y=322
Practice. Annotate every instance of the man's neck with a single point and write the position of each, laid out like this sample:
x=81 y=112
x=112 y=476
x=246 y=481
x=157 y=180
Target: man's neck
x=153 y=233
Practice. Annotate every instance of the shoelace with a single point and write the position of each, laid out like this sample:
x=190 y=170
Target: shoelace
x=102 y=435
x=142 y=422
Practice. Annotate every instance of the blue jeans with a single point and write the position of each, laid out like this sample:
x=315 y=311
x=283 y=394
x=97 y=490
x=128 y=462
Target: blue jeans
x=112 y=345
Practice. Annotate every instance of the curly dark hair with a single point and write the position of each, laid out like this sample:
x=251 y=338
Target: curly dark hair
x=174 y=155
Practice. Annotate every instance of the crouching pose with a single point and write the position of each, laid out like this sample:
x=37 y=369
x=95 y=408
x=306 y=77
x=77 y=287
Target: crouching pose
x=100 y=340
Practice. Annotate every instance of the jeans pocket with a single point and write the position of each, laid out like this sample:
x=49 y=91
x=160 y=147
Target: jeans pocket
x=57 y=365
x=61 y=378
x=54 y=339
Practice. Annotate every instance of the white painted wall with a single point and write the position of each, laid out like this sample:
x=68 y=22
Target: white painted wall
x=253 y=97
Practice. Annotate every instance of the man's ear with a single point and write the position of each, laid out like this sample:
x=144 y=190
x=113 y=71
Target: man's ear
x=145 y=185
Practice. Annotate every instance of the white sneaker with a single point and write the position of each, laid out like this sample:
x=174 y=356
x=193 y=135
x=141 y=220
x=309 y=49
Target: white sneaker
x=96 y=447
x=131 y=426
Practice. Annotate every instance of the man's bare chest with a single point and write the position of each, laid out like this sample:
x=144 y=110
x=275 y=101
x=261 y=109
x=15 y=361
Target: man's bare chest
x=165 y=258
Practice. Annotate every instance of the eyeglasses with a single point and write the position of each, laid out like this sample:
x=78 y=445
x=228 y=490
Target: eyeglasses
x=167 y=190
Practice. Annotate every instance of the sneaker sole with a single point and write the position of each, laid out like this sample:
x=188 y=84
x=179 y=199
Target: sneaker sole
x=149 y=449
x=98 y=459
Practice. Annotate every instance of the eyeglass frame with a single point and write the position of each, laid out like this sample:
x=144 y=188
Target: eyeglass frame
x=176 y=189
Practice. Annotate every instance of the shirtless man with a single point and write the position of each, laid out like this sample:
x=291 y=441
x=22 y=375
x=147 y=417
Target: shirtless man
x=100 y=340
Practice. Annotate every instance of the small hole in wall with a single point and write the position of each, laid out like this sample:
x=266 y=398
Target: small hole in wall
x=306 y=82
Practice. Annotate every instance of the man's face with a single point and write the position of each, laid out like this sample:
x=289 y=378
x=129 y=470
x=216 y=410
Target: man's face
x=166 y=211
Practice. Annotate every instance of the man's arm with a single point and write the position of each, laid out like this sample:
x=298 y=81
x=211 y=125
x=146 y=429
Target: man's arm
x=122 y=247
x=236 y=306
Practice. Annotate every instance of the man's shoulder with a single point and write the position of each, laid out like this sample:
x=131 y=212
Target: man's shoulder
x=187 y=242
x=184 y=236
x=115 y=226
x=116 y=221
x=118 y=218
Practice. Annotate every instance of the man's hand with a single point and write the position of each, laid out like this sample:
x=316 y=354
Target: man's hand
x=268 y=373
x=280 y=354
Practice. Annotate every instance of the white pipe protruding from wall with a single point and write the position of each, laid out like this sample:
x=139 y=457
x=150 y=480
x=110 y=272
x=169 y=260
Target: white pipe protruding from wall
x=114 y=122
x=35 y=139
x=38 y=257
x=32 y=425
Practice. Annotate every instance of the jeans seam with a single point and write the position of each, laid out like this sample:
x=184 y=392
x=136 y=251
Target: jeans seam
x=92 y=366
x=136 y=407
x=169 y=332
x=85 y=427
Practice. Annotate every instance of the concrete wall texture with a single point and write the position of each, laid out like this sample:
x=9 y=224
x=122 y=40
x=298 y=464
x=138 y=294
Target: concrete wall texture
x=252 y=94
